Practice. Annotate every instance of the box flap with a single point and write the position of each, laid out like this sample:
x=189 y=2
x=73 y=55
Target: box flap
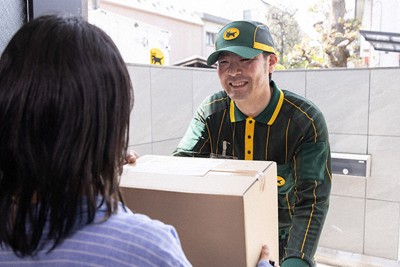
x=193 y=175
x=174 y=165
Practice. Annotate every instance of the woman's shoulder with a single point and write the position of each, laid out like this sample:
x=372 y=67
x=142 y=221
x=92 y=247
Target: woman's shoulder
x=138 y=234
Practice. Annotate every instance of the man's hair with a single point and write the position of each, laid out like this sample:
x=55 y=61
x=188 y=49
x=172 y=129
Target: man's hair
x=65 y=100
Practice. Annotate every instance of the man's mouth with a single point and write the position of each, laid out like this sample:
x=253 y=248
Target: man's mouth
x=237 y=84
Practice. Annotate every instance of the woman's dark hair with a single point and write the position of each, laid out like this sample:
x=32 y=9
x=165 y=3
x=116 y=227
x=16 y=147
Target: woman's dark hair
x=65 y=100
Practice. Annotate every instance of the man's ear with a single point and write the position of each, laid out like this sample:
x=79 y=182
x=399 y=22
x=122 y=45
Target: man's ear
x=273 y=60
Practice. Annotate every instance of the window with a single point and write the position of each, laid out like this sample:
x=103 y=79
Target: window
x=210 y=38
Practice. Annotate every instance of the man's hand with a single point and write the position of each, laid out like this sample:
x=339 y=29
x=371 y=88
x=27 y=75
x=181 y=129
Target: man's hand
x=131 y=157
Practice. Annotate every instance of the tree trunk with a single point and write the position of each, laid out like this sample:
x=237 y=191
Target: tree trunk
x=338 y=10
x=338 y=57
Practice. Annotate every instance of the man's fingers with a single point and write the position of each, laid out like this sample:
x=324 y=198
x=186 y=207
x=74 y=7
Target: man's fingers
x=131 y=157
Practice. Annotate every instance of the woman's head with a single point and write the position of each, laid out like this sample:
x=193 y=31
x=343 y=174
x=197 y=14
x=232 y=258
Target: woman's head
x=65 y=99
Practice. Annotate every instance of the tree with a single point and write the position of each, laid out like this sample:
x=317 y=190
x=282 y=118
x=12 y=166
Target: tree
x=284 y=29
x=335 y=47
x=306 y=57
x=338 y=38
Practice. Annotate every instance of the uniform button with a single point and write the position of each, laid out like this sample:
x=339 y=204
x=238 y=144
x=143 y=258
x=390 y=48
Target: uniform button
x=248 y=152
x=249 y=136
x=250 y=121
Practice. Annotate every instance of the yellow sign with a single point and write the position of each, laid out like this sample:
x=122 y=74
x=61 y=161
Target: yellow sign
x=156 y=56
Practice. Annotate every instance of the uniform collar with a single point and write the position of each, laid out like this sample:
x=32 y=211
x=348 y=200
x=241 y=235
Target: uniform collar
x=268 y=115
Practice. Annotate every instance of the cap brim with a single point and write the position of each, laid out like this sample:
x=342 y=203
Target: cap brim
x=242 y=51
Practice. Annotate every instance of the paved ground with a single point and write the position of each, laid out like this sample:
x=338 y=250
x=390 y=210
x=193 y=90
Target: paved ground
x=334 y=258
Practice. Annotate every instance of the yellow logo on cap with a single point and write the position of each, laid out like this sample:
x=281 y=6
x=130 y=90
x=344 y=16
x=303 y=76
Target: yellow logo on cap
x=281 y=181
x=231 y=33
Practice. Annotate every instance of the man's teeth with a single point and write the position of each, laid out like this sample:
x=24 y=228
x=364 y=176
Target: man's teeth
x=238 y=83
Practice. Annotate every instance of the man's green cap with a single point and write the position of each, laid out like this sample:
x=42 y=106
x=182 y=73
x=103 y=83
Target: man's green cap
x=244 y=38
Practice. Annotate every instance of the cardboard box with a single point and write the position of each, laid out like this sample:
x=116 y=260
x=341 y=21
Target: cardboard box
x=223 y=210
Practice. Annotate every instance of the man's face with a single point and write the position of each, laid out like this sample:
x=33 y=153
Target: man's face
x=245 y=79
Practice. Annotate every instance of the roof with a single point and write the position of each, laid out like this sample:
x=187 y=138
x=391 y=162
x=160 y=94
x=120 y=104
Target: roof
x=195 y=61
x=161 y=8
x=384 y=41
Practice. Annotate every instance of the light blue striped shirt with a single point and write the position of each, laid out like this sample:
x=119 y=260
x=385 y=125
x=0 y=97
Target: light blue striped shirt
x=125 y=239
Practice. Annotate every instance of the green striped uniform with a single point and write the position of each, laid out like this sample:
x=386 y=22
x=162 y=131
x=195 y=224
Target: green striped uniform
x=290 y=131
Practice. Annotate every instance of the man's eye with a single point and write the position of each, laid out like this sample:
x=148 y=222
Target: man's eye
x=222 y=62
x=245 y=59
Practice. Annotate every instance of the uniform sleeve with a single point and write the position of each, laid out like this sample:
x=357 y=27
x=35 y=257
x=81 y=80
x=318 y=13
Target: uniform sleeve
x=195 y=142
x=312 y=178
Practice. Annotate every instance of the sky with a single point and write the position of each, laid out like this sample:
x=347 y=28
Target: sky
x=233 y=9
x=230 y=9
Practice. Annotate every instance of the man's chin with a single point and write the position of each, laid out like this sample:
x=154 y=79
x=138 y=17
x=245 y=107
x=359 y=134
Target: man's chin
x=235 y=96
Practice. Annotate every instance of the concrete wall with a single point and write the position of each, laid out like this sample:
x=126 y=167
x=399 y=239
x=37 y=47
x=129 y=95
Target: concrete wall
x=12 y=18
x=362 y=113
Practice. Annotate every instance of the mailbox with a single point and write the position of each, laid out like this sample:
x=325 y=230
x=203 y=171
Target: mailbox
x=351 y=164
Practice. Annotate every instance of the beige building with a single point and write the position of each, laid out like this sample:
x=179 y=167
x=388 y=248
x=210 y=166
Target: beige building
x=178 y=33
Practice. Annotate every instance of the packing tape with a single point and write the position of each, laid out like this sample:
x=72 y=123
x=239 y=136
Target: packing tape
x=261 y=177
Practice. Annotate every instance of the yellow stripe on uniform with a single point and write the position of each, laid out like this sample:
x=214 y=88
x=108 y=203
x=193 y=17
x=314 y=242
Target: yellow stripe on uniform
x=311 y=216
x=288 y=205
x=209 y=138
x=277 y=109
x=312 y=121
x=287 y=143
x=232 y=111
x=266 y=144
x=233 y=140
x=219 y=131
x=327 y=171
x=249 y=138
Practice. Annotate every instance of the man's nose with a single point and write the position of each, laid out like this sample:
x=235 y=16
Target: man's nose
x=234 y=69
